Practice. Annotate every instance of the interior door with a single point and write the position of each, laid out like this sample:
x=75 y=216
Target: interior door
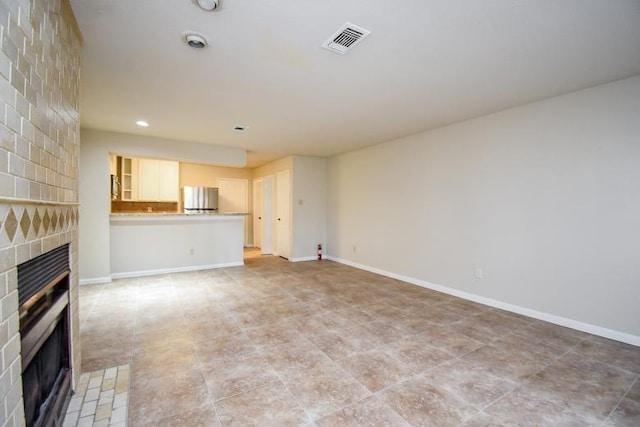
x=283 y=213
x=257 y=212
x=233 y=196
x=267 y=215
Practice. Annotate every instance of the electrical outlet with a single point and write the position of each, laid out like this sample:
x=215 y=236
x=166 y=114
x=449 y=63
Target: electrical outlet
x=190 y=251
x=479 y=273
x=354 y=249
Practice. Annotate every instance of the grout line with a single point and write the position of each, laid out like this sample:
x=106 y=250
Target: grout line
x=102 y=394
x=93 y=305
x=288 y=289
x=284 y=383
x=624 y=396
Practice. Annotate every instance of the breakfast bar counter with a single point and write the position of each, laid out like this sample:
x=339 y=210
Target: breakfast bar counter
x=155 y=243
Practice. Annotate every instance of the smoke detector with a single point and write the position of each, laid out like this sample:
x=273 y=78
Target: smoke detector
x=195 y=40
x=207 y=5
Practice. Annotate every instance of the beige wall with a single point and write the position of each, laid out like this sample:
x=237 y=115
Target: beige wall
x=209 y=175
x=544 y=198
x=39 y=152
x=271 y=169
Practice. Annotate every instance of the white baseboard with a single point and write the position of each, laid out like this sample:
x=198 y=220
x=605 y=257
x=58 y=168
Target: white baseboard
x=304 y=258
x=551 y=318
x=94 y=281
x=173 y=270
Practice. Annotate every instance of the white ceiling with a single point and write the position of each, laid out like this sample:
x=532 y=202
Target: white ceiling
x=427 y=63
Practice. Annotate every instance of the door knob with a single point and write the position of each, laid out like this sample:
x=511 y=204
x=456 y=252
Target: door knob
x=259 y=217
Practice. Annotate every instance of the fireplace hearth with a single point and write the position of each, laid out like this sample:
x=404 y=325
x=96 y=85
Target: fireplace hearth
x=43 y=289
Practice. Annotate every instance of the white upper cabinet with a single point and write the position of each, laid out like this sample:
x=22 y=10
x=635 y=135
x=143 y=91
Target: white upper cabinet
x=169 y=179
x=128 y=178
x=158 y=180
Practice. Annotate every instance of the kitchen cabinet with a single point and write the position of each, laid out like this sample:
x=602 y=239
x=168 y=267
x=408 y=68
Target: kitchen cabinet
x=157 y=180
x=128 y=174
x=169 y=181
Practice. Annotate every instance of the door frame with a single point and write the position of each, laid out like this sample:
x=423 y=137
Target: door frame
x=288 y=208
x=267 y=215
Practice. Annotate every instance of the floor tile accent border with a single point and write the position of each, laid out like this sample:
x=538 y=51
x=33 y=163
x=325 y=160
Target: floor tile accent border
x=101 y=399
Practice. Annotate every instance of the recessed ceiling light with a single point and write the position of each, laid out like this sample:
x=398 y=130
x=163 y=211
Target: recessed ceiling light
x=207 y=5
x=240 y=128
x=195 y=40
x=142 y=123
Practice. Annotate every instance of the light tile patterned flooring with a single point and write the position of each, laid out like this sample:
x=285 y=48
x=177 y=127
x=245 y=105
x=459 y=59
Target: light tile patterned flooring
x=320 y=344
x=100 y=400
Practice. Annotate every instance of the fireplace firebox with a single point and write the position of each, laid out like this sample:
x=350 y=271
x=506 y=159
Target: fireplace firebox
x=43 y=290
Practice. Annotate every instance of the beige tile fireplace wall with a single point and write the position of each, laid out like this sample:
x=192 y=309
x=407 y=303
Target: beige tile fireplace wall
x=39 y=149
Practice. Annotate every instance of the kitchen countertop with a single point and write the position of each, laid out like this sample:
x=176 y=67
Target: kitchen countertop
x=173 y=216
x=180 y=214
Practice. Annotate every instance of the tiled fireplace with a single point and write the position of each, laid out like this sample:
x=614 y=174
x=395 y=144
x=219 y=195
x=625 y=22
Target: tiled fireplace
x=27 y=232
x=40 y=48
x=43 y=296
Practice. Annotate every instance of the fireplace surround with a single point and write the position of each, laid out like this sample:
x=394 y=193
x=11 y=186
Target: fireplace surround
x=40 y=145
x=43 y=293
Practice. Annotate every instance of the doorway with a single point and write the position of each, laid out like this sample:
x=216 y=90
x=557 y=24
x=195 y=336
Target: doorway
x=263 y=214
x=283 y=213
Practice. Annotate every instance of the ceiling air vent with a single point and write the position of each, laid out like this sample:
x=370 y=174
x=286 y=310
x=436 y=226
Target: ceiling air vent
x=346 y=38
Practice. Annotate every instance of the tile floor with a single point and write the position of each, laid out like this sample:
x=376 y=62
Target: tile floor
x=100 y=400
x=320 y=344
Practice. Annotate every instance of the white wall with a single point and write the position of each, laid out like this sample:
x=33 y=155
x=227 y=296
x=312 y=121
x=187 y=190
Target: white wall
x=94 y=197
x=95 y=147
x=309 y=206
x=544 y=198
x=155 y=245
x=146 y=146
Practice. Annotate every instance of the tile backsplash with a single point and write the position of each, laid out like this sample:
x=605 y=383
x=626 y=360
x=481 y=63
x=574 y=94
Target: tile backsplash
x=122 y=206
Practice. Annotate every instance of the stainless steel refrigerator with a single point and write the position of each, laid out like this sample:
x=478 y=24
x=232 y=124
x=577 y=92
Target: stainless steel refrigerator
x=199 y=199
